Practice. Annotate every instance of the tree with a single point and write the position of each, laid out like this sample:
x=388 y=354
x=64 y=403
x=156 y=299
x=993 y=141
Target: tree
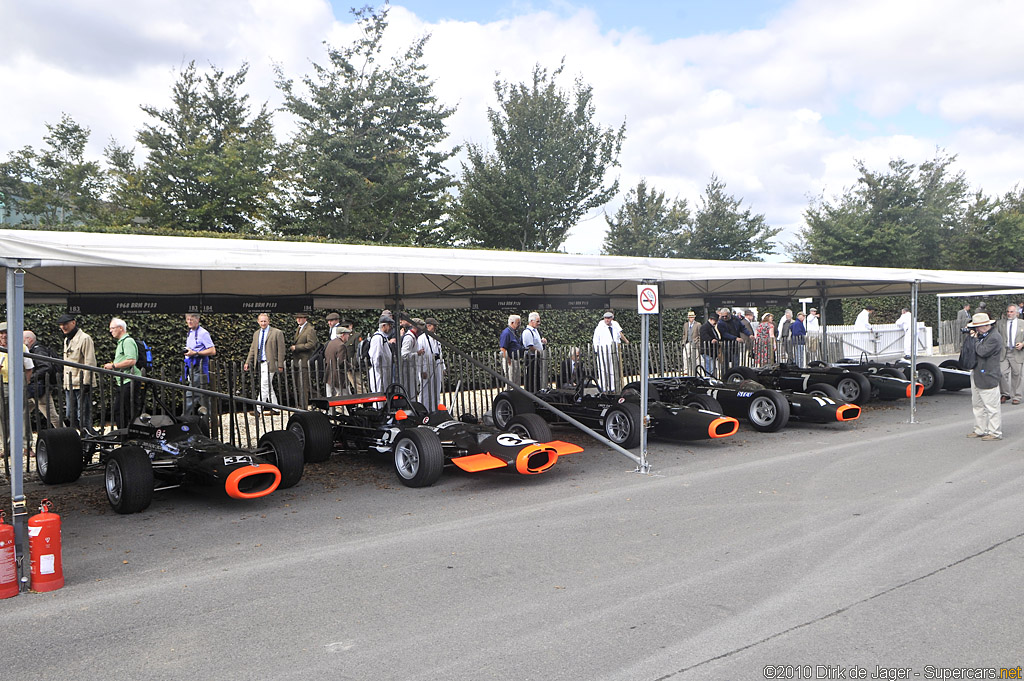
x=56 y=185
x=721 y=231
x=364 y=162
x=647 y=225
x=209 y=166
x=547 y=169
x=898 y=218
x=992 y=234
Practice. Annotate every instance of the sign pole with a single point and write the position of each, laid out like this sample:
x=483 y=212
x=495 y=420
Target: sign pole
x=646 y=304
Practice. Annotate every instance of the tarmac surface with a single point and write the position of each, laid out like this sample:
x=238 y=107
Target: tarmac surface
x=816 y=552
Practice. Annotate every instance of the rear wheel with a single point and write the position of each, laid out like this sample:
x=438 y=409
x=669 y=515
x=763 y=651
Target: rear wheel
x=128 y=478
x=854 y=387
x=930 y=376
x=59 y=456
x=419 y=457
x=893 y=372
x=705 y=402
x=825 y=390
x=950 y=364
x=740 y=374
x=314 y=433
x=508 y=405
x=768 y=411
x=622 y=425
x=284 y=450
x=531 y=427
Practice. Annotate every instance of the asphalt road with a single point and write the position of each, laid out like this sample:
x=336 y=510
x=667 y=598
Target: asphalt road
x=876 y=544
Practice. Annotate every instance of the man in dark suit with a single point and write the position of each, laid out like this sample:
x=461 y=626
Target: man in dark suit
x=571 y=370
x=710 y=343
x=302 y=348
x=267 y=353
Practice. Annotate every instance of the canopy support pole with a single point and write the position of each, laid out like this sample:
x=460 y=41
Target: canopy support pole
x=913 y=349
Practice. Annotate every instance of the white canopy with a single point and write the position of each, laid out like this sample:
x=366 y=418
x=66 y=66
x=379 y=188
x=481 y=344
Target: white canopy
x=59 y=264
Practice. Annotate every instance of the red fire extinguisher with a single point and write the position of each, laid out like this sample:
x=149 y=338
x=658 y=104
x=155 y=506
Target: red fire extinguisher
x=8 y=561
x=44 y=547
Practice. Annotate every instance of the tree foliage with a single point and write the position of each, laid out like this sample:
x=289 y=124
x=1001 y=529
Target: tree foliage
x=209 y=164
x=902 y=217
x=365 y=164
x=546 y=171
x=721 y=230
x=56 y=185
x=647 y=225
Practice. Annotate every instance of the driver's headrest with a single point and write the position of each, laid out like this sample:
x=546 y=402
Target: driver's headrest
x=748 y=384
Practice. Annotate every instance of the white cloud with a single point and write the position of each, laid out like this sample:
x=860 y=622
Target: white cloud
x=779 y=113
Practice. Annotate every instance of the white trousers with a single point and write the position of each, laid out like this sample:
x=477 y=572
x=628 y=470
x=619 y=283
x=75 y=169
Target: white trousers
x=267 y=393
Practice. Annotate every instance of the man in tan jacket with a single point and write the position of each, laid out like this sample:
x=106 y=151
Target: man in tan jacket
x=78 y=383
x=266 y=352
x=302 y=348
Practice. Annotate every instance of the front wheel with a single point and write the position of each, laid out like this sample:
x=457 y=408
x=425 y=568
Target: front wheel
x=508 y=405
x=284 y=450
x=419 y=457
x=622 y=425
x=739 y=374
x=705 y=402
x=768 y=411
x=825 y=390
x=128 y=478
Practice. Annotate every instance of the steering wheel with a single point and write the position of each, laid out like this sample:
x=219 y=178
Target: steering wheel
x=701 y=371
x=588 y=381
x=396 y=398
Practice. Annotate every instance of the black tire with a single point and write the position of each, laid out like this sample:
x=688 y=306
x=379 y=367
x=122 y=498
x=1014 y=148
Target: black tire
x=59 y=456
x=284 y=450
x=530 y=426
x=930 y=376
x=950 y=364
x=314 y=433
x=705 y=402
x=622 y=425
x=128 y=479
x=820 y=363
x=854 y=387
x=419 y=457
x=508 y=405
x=740 y=374
x=825 y=390
x=893 y=372
x=768 y=411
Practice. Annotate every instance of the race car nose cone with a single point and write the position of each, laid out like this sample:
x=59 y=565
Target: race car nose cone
x=252 y=482
x=723 y=427
x=847 y=412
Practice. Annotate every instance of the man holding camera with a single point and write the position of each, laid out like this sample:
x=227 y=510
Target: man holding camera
x=985 y=375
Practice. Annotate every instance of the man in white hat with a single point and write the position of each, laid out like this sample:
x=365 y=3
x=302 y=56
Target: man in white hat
x=607 y=338
x=985 y=375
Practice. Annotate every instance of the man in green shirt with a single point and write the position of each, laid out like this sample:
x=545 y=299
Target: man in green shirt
x=125 y=357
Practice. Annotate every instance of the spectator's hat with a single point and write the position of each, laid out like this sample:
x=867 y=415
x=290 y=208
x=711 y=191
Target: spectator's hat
x=384 y=319
x=301 y=315
x=765 y=316
x=609 y=315
x=3 y=327
x=344 y=332
x=334 y=316
x=980 y=319
x=430 y=321
x=418 y=322
x=65 y=318
x=691 y=313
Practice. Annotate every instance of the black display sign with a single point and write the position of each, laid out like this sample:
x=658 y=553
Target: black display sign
x=118 y=304
x=539 y=302
x=748 y=301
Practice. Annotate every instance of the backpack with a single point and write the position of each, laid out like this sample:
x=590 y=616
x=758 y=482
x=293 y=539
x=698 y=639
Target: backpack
x=364 y=350
x=317 y=360
x=968 y=354
x=144 y=361
x=45 y=375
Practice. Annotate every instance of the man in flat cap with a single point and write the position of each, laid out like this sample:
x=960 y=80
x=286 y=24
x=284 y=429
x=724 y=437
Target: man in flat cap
x=333 y=326
x=78 y=383
x=302 y=348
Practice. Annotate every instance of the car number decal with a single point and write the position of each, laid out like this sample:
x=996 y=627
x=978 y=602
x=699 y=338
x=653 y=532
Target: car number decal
x=807 y=379
x=160 y=434
x=823 y=401
x=232 y=460
x=513 y=440
x=743 y=393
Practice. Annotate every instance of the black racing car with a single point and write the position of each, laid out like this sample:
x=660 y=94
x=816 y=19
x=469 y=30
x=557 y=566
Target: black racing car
x=618 y=415
x=766 y=409
x=853 y=386
x=933 y=378
x=161 y=452
x=420 y=442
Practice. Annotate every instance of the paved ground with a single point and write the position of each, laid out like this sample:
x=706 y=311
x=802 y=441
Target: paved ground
x=877 y=543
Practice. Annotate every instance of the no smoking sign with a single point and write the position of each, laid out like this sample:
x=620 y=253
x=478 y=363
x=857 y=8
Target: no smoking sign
x=647 y=299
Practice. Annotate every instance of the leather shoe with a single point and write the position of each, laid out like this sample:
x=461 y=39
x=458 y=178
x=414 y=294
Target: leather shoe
x=973 y=434
x=990 y=437
x=1003 y=399
x=1015 y=401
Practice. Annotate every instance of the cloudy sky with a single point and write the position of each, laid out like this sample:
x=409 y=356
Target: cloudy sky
x=779 y=99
